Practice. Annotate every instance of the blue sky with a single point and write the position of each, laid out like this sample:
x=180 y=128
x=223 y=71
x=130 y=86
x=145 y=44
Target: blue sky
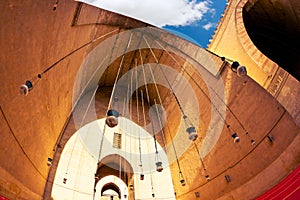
x=202 y=30
x=194 y=20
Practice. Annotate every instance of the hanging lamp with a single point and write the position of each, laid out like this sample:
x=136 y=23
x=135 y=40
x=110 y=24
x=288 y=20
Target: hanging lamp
x=26 y=88
x=140 y=149
x=235 y=67
x=159 y=167
x=138 y=121
x=227 y=177
x=28 y=85
x=182 y=181
x=158 y=162
x=131 y=187
x=112 y=115
x=181 y=178
x=191 y=130
x=238 y=69
x=192 y=133
x=207 y=177
x=235 y=137
x=112 y=118
x=49 y=162
x=142 y=176
x=97 y=177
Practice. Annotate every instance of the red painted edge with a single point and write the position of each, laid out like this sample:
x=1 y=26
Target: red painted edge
x=287 y=189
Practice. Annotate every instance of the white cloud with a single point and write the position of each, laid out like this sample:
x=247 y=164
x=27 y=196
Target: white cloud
x=158 y=12
x=208 y=26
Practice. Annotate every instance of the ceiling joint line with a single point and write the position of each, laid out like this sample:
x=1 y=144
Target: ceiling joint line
x=19 y=144
x=75 y=50
x=240 y=160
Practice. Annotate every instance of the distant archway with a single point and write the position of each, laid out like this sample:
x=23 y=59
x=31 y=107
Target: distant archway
x=121 y=170
x=111 y=186
x=116 y=165
x=83 y=172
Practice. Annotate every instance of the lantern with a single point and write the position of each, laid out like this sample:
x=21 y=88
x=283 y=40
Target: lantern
x=182 y=181
x=112 y=118
x=25 y=88
x=142 y=177
x=235 y=137
x=192 y=133
x=49 y=162
x=159 y=167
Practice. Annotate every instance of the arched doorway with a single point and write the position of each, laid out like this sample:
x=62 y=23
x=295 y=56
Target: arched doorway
x=111 y=190
x=115 y=173
x=111 y=187
x=80 y=175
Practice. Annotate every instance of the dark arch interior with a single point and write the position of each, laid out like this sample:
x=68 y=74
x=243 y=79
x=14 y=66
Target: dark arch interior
x=111 y=186
x=110 y=165
x=274 y=28
x=115 y=165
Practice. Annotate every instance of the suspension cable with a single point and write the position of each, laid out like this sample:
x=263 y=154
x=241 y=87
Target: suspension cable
x=148 y=98
x=214 y=106
x=138 y=121
x=118 y=73
x=82 y=121
x=168 y=82
x=160 y=125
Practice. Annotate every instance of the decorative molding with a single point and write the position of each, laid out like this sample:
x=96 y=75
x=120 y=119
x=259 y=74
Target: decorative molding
x=277 y=82
x=257 y=56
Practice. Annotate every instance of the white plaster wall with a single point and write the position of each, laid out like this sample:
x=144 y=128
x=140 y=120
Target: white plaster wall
x=80 y=157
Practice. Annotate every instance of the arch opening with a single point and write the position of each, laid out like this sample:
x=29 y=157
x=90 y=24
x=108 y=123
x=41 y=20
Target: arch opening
x=85 y=175
x=273 y=27
x=106 y=190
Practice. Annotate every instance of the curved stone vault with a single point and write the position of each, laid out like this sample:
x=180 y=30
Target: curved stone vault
x=83 y=61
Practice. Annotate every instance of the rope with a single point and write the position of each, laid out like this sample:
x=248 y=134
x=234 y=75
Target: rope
x=82 y=121
x=175 y=152
x=202 y=163
x=144 y=75
x=168 y=82
x=151 y=178
x=118 y=73
x=148 y=98
x=67 y=55
x=160 y=125
x=80 y=163
x=110 y=100
x=130 y=104
x=138 y=120
x=215 y=107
